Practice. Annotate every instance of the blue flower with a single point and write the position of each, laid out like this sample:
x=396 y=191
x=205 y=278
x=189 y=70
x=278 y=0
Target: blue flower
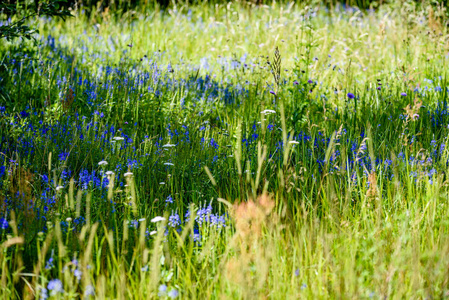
x=351 y=96
x=162 y=290
x=3 y=223
x=169 y=199
x=55 y=286
x=77 y=273
x=89 y=291
x=173 y=294
x=174 y=220
x=43 y=294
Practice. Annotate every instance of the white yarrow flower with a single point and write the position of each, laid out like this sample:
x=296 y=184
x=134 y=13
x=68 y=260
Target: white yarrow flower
x=168 y=145
x=268 y=111
x=103 y=163
x=157 y=219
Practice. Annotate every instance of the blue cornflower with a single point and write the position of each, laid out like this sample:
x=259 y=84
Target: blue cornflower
x=403 y=94
x=351 y=96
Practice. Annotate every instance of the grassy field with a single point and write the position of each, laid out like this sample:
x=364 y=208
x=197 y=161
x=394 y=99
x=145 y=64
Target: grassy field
x=227 y=151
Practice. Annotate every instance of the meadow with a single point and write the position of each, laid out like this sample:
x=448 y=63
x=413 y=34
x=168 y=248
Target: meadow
x=227 y=151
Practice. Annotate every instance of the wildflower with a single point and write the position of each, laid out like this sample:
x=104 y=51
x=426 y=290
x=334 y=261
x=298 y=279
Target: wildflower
x=49 y=264
x=118 y=138
x=174 y=220
x=169 y=199
x=157 y=219
x=168 y=145
x=273 y=92
x=173 y=294
x=44 y=293
x=77 y=273
x=162 y=289
x=109 y=173
x=403 y=94
x=351 y=96
x=128 y=174
x=169 y=164
x=309 y=81
x=3 y=223
x=55 y=286
x=293 y=142
x=144 y=269
x=133 y=224
x=103 y=163
x=268 y=111
x=295 y=82
x=89 y=291
x=59 y=187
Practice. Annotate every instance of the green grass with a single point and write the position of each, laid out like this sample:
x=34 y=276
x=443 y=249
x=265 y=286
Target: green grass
x=356 y=209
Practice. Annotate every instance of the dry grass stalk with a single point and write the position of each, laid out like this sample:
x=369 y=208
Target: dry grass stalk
x=253 y=250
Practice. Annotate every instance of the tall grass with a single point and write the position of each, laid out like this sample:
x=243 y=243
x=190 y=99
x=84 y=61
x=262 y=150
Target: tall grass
x=217 y=151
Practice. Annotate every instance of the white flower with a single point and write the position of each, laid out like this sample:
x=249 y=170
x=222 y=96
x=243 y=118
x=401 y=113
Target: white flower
x=168 y=145
x=169 y=164
x=59 y=187
x=153 y=232
x=109 y=173
x=103 y=163
x=268 y=111
x=118 y=138
x=162 y=182
x=294 y=142
x=128 y=174
x=157 y=219
x=141 y=220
